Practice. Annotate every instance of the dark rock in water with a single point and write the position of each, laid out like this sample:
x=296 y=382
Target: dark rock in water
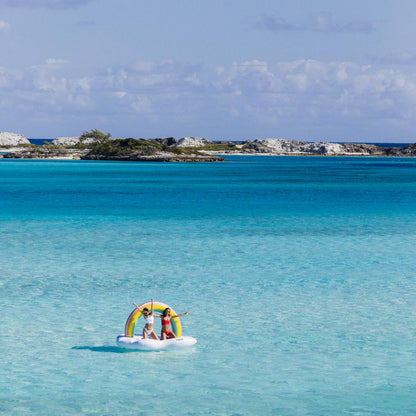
x=409 y=150
x=155 y=158
x=362 y=148
x=394 y=151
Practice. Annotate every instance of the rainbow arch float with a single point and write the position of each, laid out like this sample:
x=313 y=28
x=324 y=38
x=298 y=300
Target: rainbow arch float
x=131 y=340
x=158 y=308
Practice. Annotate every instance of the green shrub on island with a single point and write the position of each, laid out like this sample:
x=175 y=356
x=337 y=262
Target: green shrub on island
x=95 y=134
x=87 y=137
x=124 y=147
x=220 y=147
x=137 y=147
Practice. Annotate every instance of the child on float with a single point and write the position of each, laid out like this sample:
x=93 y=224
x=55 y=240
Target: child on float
x=148 y=316
x=166 y=331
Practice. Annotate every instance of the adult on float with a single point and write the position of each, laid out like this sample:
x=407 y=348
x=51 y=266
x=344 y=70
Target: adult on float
x=172 y=338
x=148 y=316
x=166 y=331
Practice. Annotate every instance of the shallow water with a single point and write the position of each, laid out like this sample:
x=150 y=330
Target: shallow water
x=299 y=274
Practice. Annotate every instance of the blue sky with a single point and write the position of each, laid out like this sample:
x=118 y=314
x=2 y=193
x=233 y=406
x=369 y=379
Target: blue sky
x=307 y=70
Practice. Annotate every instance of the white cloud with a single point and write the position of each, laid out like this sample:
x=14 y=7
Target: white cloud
x=120 y=94
x=318 y=23
x=54 y=61
x=251 y=96
x=4 y=25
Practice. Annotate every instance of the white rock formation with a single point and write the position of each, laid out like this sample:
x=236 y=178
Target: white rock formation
x=323 y=148
x=280 y=145
x=70 y=141
x=12 y=139
x=285 y=146
x=192 y=142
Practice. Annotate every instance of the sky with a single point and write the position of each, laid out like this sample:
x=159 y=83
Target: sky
x=224 y=69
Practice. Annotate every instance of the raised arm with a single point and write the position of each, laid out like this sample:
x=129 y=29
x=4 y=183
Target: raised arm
x=152 y=311
x=137 y=307
x=181 y=314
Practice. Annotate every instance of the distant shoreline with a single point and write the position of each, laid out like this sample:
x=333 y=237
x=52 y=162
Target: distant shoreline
x=95 y=145
x=39 y=142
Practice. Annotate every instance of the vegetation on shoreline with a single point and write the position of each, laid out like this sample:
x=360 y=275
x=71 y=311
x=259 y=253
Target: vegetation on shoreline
x=139 y=147
x=96 y=145
x=102 y=147
x=220 y=147
x=32 y=151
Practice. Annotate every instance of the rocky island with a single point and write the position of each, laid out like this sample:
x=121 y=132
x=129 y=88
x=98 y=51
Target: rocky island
x=95 y=145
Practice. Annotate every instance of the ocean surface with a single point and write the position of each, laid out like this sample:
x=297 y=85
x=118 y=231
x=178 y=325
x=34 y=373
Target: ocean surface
x=299 y=272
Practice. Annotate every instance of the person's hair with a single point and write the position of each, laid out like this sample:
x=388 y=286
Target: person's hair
x=145 y=309
x=165 y=312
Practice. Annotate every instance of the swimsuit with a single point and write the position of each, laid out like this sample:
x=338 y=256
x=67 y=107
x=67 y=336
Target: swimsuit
x=166 y=322
x=148 y=320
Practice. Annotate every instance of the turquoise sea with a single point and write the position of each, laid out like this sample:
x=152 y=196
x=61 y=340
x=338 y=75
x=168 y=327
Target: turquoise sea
x=299 y=272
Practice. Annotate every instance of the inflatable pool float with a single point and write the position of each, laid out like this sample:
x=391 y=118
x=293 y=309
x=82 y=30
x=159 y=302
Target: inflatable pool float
x=135 y=341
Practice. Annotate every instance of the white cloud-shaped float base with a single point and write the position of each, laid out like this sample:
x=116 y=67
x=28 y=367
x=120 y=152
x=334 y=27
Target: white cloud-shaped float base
x=137 y=342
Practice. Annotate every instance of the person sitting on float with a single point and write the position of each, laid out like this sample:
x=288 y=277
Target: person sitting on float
x=166 y=317
x=148 y=316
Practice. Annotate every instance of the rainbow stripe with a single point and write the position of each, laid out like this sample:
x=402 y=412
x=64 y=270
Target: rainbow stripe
x=158 y=308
